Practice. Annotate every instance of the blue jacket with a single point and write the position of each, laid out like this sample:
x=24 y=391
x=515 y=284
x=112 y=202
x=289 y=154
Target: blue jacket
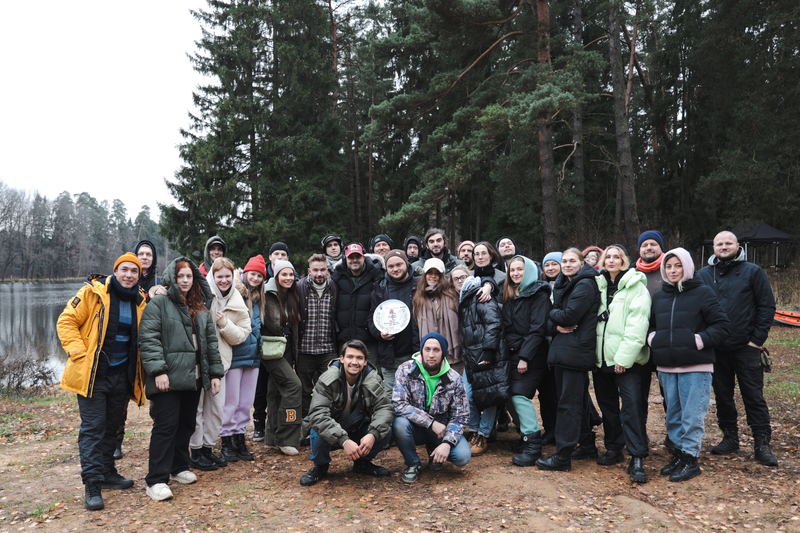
x=248 y=353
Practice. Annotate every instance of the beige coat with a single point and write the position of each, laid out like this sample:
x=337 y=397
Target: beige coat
x=238 y=326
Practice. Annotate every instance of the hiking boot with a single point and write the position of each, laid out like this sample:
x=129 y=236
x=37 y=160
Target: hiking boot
x=314 y=475
x=531 y=450
x=228 y=450
x=362 y=466
x=114 y=481
x=585 y=452
x=118 y=453
x=686 y=470
x=211 y=456
x=559 y=461
x=478 y=445
x=159 y=492
x=636 y=470
x=411 y=474
x=549 y=437
x=187 y=477
x=762 y=452
x=669 y=445
x=611 y=457
x=94 y=497
x=241 y=448
x=729 y=443
x=201 y=462
x=259 y=430
x=673 y=463
x=518 y=446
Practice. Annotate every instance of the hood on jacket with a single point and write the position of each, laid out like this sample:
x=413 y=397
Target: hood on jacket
x=470 y=286
x=740 y=256
x=212 y=284
x=216 y=239
x=531 y=274
x=169 y=278
x=686 y=260
x=154 y=267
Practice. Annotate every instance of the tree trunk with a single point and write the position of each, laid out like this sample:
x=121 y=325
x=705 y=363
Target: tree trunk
x=545 y=130
x=581 y=227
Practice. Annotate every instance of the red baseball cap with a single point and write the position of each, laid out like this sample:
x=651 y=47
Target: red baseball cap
x=353 y=248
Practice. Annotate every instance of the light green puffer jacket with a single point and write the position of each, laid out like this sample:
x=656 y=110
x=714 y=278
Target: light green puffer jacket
x=622 y=338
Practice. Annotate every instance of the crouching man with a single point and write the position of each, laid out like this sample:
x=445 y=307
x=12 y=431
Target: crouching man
x=349 y=410
x=431 y=408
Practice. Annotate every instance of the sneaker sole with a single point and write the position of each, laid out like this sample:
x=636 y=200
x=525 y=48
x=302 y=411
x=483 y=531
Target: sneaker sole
x=160 y=499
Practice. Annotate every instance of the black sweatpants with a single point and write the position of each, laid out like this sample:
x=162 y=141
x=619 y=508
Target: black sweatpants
x=572 y=420
x=743 y=365
x=173 y=426
x=622 y=427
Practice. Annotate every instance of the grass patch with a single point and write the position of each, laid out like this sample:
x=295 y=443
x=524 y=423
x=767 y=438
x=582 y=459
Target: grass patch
x=788 y=392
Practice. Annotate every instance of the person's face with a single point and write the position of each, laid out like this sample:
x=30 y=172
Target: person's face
x=436 y=243
x=145 y=255
x=353 y=361
x=506 y=248
x=458 y=277
x=674 y=270
x=185 y=279
x=396 y=268
x=215 y=251
x=570 y=264
x=412 y=250
x=224 y=279
x=127 y=274
x=318 y=272
x=432 y=277
x=516 y=270
x=286 y=278
x=332 y=249
x=432 y=356
x=278 y=255
x=613 y=261
x=482 y=256
x=726 y=245
x=381 y=248
x=552 y=269
x=355 y=262
x=466 y=254
x=650 y=250
x=592 y=257
x=253 y=278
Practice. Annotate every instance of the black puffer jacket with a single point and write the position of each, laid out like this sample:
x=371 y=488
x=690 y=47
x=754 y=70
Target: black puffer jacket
x=407 y=341
x=525 y=327
x=677 y=316
x=483 y=349
x=575 y=302
x=353 y=302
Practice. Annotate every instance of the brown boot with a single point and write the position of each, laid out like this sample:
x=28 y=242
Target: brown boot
x=478 y=445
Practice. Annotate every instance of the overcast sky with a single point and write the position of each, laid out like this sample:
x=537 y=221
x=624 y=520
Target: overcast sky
x=93 y=95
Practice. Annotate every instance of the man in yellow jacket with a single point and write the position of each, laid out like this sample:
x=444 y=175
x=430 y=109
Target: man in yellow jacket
x=98 y=330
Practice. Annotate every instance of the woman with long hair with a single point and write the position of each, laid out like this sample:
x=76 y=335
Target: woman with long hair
x=281 y=318
x=624 y=317
x=435 y=308
x=573 y=323
x=686 y=324
x=484 y=256
x=178 y=345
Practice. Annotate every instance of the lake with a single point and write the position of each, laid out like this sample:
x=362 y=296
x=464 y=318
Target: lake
x=28 y=316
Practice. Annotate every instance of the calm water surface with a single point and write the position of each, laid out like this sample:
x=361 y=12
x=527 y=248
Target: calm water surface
x=28 y=316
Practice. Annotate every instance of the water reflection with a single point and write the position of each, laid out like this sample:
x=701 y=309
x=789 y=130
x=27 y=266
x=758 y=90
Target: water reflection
x=28 y=316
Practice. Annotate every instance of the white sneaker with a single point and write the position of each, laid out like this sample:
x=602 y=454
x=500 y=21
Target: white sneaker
x=186 y=477
x=159 y=492
x=288 y=450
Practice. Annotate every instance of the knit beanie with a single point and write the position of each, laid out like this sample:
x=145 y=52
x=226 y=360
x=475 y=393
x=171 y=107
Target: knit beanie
x=280 y=265
x=256 y=264
x=592 y=249
x=497 y=244
x=278 y=246
x=396 y=253
x=552 y=256
x=458 y=250
x=129 y=257
x=380 y=238
x=436 y=336
x=652 y=234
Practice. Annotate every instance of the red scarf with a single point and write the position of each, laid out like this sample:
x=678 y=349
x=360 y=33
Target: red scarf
x=641 y=266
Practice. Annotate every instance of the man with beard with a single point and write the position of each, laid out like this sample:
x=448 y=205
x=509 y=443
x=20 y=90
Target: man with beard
x=436 y=245
x=507 y=249
x=746 y=296
x=431 y=408
x=317 y=346
x=412 y=246
x=464 y=252
x=351 y=411
x=397 y=284
x=651 y=252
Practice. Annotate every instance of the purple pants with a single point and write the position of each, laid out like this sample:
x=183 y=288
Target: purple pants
x=240 y=390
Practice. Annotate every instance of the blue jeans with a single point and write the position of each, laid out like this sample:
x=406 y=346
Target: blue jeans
x=687 y=397
x=408 y=436
x=482 y=422
x=321 y=449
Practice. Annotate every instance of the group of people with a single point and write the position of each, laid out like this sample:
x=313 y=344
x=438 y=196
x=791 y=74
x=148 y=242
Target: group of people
x=487 y=331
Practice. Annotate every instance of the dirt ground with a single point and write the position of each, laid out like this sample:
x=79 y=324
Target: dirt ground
x=40 y=487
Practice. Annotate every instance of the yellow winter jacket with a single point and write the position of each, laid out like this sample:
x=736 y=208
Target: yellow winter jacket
x=82 y=328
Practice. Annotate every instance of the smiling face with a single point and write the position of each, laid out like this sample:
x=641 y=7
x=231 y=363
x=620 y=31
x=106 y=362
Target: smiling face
x=224 y=279
x=253 y=278
x=650 y=250
x=397 y=269
x=432 y=356
x=353 y=361
x=674 y=269
x=355 y=262
x=432 y=277
x=570 y=264
x=286 y=278
x=318 y=271
x=184 y=280
x=332 y=249
x=465 y=254
x=726 y=246
x=552 y=269
x=381 y=248
x=436 y=244
x=127 y=274
x=516 y=270
x=506 y=248
x=215 y=251
x=482 y=256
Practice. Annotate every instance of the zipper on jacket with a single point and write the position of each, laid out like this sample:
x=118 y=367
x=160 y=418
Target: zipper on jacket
x=97 y=351
x=671 y=317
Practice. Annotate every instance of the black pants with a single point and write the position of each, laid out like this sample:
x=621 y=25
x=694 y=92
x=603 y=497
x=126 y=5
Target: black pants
x=548 y=400
x=309 y=368
x=101 y=415
x=260 y=400
x=572 y=419
x=743 y=365
x=172 y=428
x=622 y=427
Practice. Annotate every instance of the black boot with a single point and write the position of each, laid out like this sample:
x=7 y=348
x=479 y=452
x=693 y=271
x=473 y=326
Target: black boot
x=729 y=442
x=503 y=420
x=94 y=497
x=531 y=450
x=669 y=445
x=762 y=452
x=518 y=446
x=259 y=430
x=241 y=448
x=228 y=450
x=687 y=469
x=636 y=470
x=217 y=460
x=314 y=475
x=586 y=448
x=611 y=457
x=675 y=462
x=200 y=462
x=559 y=461
x=549 y=437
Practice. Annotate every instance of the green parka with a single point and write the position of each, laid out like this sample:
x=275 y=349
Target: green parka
x=165 y=337
x=622 y=339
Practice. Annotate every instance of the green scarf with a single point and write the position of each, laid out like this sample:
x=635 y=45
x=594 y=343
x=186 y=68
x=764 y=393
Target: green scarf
x=431 y=381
